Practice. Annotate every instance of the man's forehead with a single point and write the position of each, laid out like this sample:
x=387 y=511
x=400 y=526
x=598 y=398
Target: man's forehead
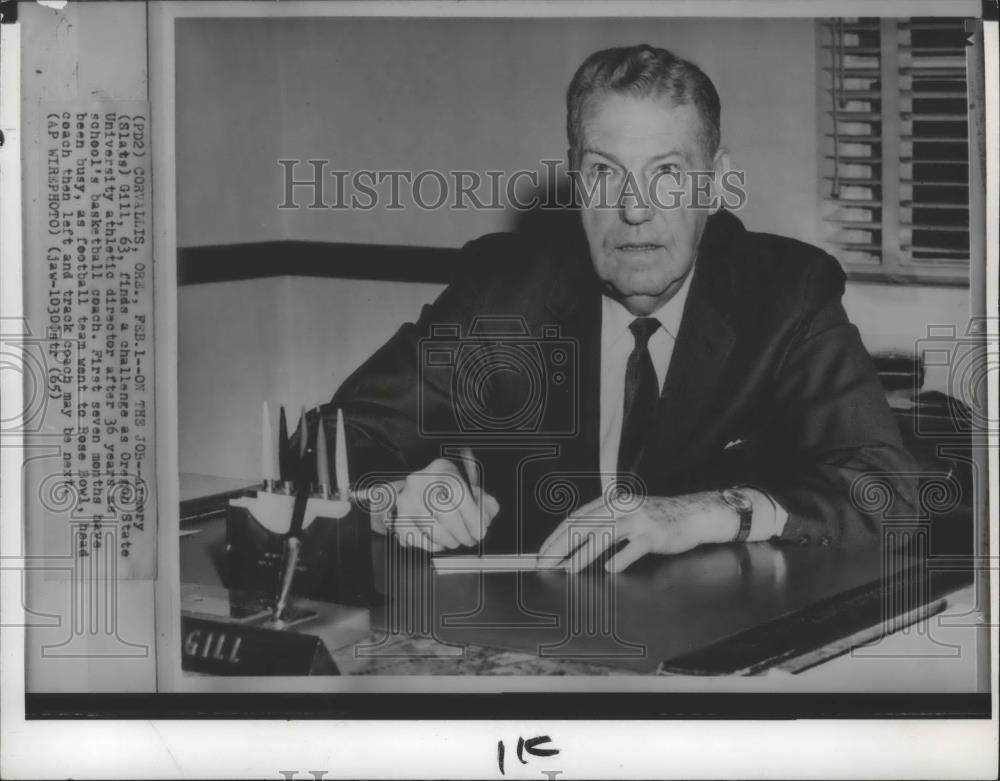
x=615 y=123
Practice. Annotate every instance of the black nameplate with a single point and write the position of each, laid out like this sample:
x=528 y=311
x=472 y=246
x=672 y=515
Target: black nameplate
x=223 y=648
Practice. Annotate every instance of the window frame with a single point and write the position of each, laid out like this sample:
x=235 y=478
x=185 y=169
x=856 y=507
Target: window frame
x=897 y=264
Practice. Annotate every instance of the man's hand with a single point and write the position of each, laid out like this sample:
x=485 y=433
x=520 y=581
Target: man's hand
x=437 y=510
x=653 y=524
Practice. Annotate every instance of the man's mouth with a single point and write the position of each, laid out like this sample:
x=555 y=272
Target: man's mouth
x=635 y=247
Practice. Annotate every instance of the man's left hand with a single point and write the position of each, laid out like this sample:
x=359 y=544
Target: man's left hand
x=658 y=524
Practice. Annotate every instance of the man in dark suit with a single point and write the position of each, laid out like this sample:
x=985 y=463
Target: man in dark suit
x=710 y=372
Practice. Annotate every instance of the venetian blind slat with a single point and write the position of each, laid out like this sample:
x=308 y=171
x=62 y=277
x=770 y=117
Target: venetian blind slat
x=853 y=148
x=920 y=135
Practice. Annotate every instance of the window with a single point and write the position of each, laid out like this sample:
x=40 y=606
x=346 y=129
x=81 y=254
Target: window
x=894 y=147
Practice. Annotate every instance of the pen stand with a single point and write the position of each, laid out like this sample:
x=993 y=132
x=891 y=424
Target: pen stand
x=335 y=560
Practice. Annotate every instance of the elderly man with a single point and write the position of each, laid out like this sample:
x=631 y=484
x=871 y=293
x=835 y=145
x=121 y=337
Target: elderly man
x=710 y=371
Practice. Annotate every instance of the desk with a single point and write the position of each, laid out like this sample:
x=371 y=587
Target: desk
x=202 y=561
x=665 y=610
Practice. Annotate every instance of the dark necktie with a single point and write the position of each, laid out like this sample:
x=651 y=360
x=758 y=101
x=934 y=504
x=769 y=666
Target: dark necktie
x=642 y=392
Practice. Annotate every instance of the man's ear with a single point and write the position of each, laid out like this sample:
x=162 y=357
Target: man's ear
x=720 y=164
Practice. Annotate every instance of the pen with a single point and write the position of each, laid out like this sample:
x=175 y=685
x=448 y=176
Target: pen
x=289 y=562
x=471 y=470
x=322 y=460
x=301 y=472
x=268 y=467
x=284 y=455
x=291 y=546
x=303 y=432
x=340 y=459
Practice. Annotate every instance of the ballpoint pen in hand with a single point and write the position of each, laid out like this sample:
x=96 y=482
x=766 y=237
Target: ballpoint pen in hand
x=471 y=472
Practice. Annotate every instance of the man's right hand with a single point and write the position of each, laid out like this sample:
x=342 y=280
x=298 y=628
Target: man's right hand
x=437 y=510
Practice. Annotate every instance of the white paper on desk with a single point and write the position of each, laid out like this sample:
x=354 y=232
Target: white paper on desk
x=495 y=563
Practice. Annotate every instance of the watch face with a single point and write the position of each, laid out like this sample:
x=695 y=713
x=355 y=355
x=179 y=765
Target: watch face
x=736 y=499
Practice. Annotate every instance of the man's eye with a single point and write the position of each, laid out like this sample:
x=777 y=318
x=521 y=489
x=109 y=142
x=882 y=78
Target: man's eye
x=668 y=169
x=600 y=168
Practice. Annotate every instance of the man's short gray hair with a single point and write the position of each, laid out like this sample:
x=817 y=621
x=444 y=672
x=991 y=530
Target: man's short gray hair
x=642 y=71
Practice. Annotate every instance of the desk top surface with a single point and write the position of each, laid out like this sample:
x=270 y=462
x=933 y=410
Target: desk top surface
x=198 y=486
x=661 y=609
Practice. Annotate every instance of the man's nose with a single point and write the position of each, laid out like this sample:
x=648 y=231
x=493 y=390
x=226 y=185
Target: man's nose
x=634 y=207
x=636 y=214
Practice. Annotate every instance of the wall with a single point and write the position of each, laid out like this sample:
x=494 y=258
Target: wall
x=287 y=340
x=438 y=94
x=229 y=130
x=897 y=318
x=450 y=94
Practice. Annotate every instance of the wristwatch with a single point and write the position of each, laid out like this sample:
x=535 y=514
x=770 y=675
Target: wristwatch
x=740 y=501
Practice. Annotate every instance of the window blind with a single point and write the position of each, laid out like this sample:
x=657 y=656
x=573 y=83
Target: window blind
x=895 y=146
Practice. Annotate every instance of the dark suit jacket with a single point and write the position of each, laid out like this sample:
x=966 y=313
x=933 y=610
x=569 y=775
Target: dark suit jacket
x=769 y=384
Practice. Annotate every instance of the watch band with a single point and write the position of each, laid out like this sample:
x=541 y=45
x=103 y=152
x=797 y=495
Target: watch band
x=746 y=521
x=743 y=505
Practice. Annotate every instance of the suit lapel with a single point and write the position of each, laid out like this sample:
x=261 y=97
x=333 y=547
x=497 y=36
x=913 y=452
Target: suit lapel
x=700 y=355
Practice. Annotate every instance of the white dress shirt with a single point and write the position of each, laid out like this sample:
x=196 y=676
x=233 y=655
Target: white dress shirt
x=617 y=343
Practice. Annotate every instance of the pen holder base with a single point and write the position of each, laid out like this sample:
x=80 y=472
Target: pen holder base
x=235 y=633
x=335 y=561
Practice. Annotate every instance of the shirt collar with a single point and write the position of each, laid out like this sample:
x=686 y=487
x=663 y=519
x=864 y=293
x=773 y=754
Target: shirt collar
x=617 y=318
